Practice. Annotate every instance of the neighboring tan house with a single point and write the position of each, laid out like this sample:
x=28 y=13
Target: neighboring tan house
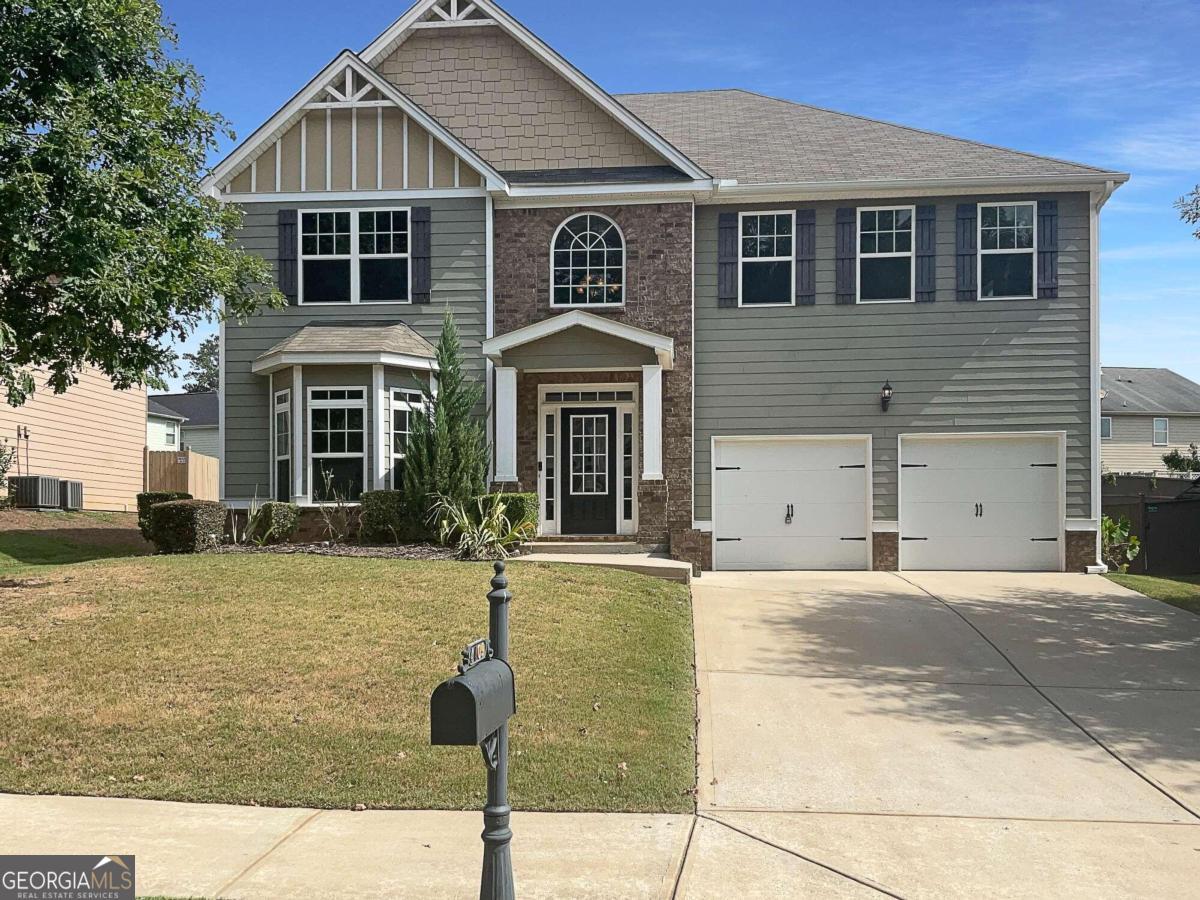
x=762 y=334
x=200 y=430
x=91 y=433
x=1146 y=413
x=163 y=426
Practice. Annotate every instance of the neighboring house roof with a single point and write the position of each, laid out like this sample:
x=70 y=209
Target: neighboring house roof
x=199 y=410
x=351 y=343
x=156 y=410
x=755 y=139
x=1148 y=391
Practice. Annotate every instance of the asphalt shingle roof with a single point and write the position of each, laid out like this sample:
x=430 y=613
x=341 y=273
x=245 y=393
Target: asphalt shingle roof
x=351 y=337
x=154 y=408
x=763 y=140
x=200 y=410
x=1148 y=391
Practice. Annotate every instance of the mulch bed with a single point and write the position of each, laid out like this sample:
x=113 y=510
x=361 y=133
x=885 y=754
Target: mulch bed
x=399 y=551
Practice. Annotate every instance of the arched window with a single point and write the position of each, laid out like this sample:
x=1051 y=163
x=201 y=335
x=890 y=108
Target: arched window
x=588 y=262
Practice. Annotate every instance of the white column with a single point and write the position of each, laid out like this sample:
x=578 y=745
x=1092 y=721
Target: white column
x=382 y=454
x=299 y=425
x=652 y=467
x=506 y=424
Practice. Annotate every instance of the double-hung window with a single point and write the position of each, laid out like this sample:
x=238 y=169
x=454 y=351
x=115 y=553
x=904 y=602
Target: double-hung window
x=767 y=259
x=337 y=443
x=1106 y=428
x=1162 y=432
x=405 y=405
x=885 y=255
x=282 y=425
x=1007 y=247
x=354 y=256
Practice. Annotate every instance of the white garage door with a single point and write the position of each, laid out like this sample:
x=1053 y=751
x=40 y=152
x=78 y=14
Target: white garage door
x=980 y=503
x=797 y=503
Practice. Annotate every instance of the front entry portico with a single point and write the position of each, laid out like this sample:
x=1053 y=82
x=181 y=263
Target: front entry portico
x=587 y=437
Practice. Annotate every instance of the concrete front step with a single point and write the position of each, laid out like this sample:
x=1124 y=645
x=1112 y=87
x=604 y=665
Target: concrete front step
x=653 y=564
x=556 y=546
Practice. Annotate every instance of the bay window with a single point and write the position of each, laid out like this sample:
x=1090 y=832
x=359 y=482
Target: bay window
x=405 y=404
x=282 y=425
x=337 y=443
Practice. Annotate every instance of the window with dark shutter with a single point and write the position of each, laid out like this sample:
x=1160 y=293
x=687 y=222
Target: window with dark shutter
x=965 y=253
x=926 y=254
x=727 y=259
x=286 y=255
x=1047 y=211
x=768 y=258
x=1006 y=251
x=845 y=241
x=806 y=257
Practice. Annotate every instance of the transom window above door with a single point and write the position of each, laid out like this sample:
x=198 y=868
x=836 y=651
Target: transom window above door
x=354 y=256
x=885 y=255
x=588 y=262
x=1007 y=245
x=767 y=259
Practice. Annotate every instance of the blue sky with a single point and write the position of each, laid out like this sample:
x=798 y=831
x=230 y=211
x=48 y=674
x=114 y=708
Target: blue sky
x=1106 y=82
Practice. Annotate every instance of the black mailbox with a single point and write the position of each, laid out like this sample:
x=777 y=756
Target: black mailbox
x=468 y=708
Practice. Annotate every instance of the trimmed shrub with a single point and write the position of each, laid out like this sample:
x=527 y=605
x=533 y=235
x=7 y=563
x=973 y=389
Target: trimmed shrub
x=149 y=499
x=383 y=517
x=518 y=508
x=185 y=526
x=275 y=523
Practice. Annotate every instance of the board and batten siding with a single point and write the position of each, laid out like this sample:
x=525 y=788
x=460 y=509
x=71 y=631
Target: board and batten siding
x=1132 y=449
x=956 y=366
x=459 y=263
x=91 y=433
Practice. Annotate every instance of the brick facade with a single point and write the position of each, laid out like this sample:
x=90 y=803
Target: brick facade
x=885 y=551
x=658 y=298
x=1080 y=550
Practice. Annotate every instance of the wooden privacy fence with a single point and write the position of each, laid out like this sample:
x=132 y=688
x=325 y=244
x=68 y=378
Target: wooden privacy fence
x=182 y=470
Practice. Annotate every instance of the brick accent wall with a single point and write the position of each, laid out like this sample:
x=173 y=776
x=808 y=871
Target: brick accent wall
x=695 y=547
x=1080 y=550
x=508 y=106
x=885 y=551
x=658 y=298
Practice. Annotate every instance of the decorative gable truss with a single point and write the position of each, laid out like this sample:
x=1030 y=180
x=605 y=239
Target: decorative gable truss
x=453 y=13
x=349 y=130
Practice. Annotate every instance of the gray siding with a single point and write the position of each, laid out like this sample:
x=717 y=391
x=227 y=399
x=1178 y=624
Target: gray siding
x=459 y=263
x=1012 y=365
x=579 y=348
x=203 y=439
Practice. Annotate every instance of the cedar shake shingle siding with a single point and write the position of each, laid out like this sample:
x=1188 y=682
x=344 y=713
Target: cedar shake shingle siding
x=508 y=106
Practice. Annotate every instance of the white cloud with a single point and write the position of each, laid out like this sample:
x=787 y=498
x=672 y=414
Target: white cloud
x=1166 y=250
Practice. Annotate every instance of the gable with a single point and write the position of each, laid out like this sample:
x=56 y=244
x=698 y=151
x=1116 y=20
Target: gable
x=508 y=105
x=350 y=130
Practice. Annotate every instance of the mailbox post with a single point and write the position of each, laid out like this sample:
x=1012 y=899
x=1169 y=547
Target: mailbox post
x=474 y=708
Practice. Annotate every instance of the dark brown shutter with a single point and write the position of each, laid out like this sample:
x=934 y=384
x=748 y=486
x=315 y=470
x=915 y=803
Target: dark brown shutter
x=422 y=234
x=286 y=255
x=1047 y=250
x=926 y=248
x=727 y=259
x=845 y=241
x=806 y=257
x=965 y=260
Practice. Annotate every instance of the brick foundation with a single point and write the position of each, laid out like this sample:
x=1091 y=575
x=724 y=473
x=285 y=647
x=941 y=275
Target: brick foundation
x=885 y=551
x=1080 y=550
x=652 y=513
x=695 y=547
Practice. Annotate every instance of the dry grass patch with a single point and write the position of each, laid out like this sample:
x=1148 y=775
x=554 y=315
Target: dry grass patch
x=306 y=681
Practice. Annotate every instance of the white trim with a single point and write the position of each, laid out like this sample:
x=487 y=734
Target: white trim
x=404 y=153
x=1098 y=201
x=1166 y=441
x=354 y=149
x=911 y=255
x=281 y=360
x=664 y=347
x=692 y=344
x=362 y=404
x=528 y=195
x=394 y=35
x=868 y=475
x=271 y=465
x=355 y=258
x=1081 y=525
x=400 y=397
x=298 y=467
x=349 y=196
x=221 y=384
x=506 y=424
x=294 y=110
x=254 y=176
x=885 y=526
x=554 y=240
x=730 y=191
x=275 y=457
x=652 y=423
x=379 y=149
x=303 y=157
x=489 y=315
x=430 y=143
x=702 y=525
x=1061 y=441
x=328 y=149
x=381 y=434
x=278 y=165
x=790 y=259
x=1031 y=251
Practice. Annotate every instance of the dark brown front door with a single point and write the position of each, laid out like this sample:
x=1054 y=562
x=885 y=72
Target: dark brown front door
x=588 y=463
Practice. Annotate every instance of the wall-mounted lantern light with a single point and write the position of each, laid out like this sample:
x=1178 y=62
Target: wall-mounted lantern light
x=885 y=395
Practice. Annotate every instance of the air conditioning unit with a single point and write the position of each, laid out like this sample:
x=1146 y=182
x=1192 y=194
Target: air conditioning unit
x=35 y=491
x=70 y=494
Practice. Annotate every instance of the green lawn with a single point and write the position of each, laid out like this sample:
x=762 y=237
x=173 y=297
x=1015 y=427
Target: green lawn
x=30 y=539
x=1180 y=590
x=285 y=680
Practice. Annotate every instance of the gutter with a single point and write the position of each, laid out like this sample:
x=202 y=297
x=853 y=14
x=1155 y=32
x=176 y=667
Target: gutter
x=733 y=190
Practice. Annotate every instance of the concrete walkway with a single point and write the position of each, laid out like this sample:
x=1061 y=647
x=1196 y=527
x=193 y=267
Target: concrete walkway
x=945 y=735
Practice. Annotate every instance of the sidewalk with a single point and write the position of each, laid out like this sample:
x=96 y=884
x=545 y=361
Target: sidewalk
x=200 y=850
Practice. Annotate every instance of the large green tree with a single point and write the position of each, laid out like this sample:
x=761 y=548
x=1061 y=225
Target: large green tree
x=109 y=250
x=204 y=367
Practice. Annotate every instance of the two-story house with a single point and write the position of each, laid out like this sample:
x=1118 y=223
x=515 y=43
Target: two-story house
x=1144 y=415
x=763 y=334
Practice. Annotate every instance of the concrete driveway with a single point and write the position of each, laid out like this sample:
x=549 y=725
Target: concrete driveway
x=937 y=734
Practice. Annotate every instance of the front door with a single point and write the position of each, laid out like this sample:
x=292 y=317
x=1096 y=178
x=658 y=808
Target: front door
x=588 y=463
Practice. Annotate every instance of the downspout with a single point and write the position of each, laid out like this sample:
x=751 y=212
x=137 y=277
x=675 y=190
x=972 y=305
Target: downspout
x=489 y=331
x=1099 y=199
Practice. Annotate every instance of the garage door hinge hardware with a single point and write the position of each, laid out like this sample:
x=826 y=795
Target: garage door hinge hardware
x=729 y=468
x=1043 y=465
x=859 y=466
x=854 y=539
x=914 y=466
x=726 y=540
x=1045 y=540
x=914 y=539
